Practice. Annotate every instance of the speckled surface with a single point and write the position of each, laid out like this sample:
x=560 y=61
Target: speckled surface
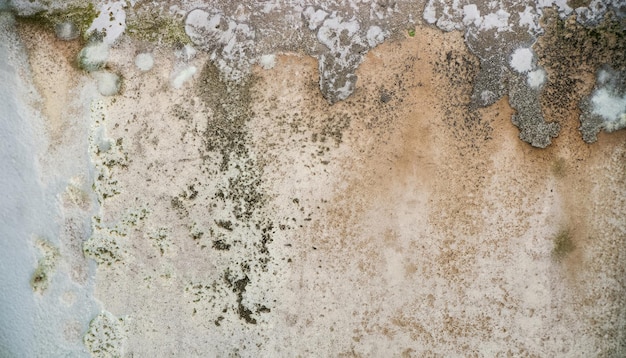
x=334 y=179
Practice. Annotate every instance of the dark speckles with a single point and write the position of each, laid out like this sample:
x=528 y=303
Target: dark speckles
x=385 y=96
x=469 y=129
x=224 y=224
x=239 y=286
x=193 y=193
x=221 y=245
x=226 y=131
x=176 y=203
x=238 y=233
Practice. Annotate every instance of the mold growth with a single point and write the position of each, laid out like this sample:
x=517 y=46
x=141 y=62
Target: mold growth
x=605 y=108
x=571 y=55
x=528 y=117
x=239 y=288
x=105 y=243
x=229 y=40
x=159 y=239
x=109 y=83
x=562 y=245
x=238 y=228
x=110 y=22
x=106 y=336
x=542 y=88
x=144 y=61
x=107 y=155
x=45 y=266
x=93 y=56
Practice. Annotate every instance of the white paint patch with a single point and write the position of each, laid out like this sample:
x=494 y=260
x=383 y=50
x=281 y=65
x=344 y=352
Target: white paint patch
x=144 y=61
x=180 y=77
x=111 y=20
x=108 y=83
x=375 y=36
x=267 y=61
x=522 y=60
x=536 y=78
x=471 y=15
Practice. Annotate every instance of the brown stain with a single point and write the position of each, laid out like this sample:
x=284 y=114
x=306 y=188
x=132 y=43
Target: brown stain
x=55 y=74
x=408 y=154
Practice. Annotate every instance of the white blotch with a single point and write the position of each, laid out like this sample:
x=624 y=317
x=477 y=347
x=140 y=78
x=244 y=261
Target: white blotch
x=144 y=61
x=529 y=18
x=471 y=15
x=603 y=77
x=487 y=96
x=111 y=20
x=93 y=56
x=330 y=32
x=522 y=60
x=536 y=78
x=314 y=17
x=66 y=31
x=375 y=36
x=498 y=20
x=186 y=53
x=181 y=76
x=430 y=14
x=611 y=107
x=108 y=83
x=230 y=43
x=267 y=61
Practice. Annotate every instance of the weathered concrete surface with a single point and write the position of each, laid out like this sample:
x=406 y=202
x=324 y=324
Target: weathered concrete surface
x=237 y=212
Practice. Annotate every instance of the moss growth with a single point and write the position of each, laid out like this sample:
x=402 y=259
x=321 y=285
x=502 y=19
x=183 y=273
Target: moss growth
x=81 y=16
x=563 y=245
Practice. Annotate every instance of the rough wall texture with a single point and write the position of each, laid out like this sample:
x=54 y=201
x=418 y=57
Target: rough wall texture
x=337 y=178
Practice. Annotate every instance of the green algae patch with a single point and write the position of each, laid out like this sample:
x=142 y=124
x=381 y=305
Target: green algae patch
x=45 y=266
